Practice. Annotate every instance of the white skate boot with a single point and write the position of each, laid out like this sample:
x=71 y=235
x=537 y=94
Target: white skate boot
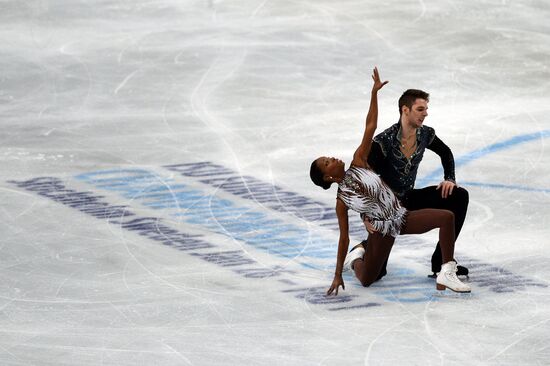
x=356 y=253
x=447 y=279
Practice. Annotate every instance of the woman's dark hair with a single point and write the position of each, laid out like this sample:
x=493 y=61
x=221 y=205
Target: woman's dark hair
x=410 y=96
x=317 y=175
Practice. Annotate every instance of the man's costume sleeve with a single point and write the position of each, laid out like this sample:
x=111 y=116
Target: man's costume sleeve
x=446 y=155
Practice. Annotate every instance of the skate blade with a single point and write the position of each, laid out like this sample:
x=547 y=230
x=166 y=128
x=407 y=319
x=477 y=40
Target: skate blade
x=443 y=287
x=434 y=275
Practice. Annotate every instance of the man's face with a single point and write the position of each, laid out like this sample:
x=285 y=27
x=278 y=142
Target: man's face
x=415 y=116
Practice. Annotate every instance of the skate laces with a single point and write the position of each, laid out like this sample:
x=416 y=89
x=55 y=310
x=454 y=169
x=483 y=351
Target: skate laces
x=451 y=273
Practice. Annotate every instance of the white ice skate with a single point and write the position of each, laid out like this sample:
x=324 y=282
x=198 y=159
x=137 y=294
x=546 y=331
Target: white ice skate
x=356 y=253
x=447 y=279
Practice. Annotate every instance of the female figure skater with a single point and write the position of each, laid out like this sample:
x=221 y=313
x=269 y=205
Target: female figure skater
x=361 y=190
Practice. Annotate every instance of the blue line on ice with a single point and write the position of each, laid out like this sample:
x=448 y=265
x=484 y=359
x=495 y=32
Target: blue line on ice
x=482 y=152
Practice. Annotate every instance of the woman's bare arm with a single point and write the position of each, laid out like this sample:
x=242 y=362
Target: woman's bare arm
x=343 y=244
x=361 y=154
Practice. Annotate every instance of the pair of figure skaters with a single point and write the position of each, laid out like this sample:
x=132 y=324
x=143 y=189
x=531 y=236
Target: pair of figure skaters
x=392 y=207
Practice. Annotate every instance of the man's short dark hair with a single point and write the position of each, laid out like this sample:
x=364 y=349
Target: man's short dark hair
x=410 y=96
x=317 y=176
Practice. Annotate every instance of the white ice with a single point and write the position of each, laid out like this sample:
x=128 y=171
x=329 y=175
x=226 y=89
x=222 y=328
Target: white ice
x=260 y=89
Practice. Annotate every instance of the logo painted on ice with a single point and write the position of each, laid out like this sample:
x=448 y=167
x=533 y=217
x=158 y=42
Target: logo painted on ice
x=247 y=210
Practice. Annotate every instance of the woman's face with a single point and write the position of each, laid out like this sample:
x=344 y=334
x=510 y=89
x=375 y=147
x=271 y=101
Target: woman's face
x=331 y=167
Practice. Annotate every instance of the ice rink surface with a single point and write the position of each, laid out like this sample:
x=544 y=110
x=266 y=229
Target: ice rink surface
x=156 y=204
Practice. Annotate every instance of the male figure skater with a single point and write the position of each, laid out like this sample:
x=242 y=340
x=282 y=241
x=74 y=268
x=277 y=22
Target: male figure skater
x=396 y=154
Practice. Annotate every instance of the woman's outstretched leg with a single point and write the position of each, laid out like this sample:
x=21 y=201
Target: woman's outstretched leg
x=367 y=270
x=378 y=250
x=422 y=221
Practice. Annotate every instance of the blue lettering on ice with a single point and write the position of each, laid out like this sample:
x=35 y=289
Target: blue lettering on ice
x=317 y=295
x=253 y=227
x=271 y=196
x=151 y=227
x=264 y=272
x=226 y=259
x=216 y=214
x=257 y=229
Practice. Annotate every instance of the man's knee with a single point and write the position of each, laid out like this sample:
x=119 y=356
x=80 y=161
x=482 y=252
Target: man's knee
x=461 y=194
x=458 y=200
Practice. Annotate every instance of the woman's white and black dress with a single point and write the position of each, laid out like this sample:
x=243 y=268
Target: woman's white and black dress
x=363 y=191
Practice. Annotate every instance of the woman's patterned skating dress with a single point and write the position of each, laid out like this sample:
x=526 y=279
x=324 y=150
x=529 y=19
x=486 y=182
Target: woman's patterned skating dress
x=363 y=191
